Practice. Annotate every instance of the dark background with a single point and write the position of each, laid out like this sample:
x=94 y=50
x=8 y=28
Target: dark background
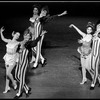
x=15 y=16
x=61 y=77
x=10 y=10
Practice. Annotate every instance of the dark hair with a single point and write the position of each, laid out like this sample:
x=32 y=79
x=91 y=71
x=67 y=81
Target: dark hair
x=36 y=6
x=46 y=8
x=90 y=24
x=98 y=22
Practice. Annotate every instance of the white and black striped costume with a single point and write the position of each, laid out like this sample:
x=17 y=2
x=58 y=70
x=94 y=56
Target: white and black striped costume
x=37 y=49
x=23 y=64
x=95 y=59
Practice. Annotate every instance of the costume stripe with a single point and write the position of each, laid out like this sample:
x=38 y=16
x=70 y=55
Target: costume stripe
x=95 y=59
x=24 y=64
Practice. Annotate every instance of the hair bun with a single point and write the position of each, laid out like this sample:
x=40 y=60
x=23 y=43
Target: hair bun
x=90 y=24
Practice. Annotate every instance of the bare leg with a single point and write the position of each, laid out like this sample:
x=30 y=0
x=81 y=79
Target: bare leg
x=9 y=70
x=84 y=79
x=7 y=87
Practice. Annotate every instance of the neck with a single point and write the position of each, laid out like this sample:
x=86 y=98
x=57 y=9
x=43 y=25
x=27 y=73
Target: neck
x=13 y=39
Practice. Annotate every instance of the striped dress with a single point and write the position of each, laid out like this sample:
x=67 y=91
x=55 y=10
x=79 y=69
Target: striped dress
x=95 y=59
x=23 y=63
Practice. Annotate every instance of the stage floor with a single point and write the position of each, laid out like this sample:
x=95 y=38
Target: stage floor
x=61 y=77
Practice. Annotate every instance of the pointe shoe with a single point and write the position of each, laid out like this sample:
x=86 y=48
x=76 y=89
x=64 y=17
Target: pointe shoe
x=92 y=87
x=35 y=66
x=7 y=90
x=44 y=63
x=17 y=96
x=28 y=93
x=15 y=86
x=84 y=81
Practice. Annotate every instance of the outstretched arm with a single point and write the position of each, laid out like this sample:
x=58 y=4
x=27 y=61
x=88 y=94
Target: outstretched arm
x=58 y=15
x=2 y=37
x=78 y=30
x=48 y=18
x=33 y=43
x=64 y=13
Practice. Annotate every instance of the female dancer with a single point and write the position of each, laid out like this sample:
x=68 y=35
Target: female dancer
x=11 y=57
x=36 y=10
x=95 y=56
x=42 y=20
x=31 y=29
x=26 y=46
x=85 y=49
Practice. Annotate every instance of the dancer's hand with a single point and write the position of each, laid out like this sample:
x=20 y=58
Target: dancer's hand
x=64 y=13
x=71 y=25
x=43 y=32
x=2 y=29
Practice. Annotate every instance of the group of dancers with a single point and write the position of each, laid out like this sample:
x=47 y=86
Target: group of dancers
x=90 y=52
x=19 y=54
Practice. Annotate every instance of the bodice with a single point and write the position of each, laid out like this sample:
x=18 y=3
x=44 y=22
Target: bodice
x=12 y=47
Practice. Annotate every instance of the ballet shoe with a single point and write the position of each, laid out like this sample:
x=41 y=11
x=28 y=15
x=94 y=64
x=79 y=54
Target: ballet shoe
x=18 y=96
x=84 y=81
x=44 y=63
x=7 y=90
x=92 y=88
x=34 y=67
x=15 y=86
x=28 y=93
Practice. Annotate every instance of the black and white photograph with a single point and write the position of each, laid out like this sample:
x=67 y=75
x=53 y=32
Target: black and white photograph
x=49 y=49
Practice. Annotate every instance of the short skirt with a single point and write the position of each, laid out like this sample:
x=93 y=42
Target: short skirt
x=11 y=59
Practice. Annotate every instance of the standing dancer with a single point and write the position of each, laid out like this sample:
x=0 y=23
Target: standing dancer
x=11 y=57
x=36 y=10
x=43 y=19
x=95 y=56
x=85 y=50
x=21 y=68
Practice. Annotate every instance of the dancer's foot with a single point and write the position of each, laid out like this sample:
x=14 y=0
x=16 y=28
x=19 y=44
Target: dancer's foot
x=28 y=92
x=44 y=62
x=92 y=87
x=84 y=81
x=7 y=90
x=35 y=66
x=15 y=85
x=18 y=95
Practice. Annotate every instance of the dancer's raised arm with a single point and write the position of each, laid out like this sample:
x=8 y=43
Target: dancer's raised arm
x=78 y=30
x=2 y=37
x=64 y=13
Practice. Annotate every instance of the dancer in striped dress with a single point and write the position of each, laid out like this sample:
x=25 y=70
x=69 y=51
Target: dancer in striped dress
x=43 y=18
x=95 y=56
x=21 y=68
x=11 y=57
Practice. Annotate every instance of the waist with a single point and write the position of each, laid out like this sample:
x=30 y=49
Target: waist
x=86 y=46
x=11 y=53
